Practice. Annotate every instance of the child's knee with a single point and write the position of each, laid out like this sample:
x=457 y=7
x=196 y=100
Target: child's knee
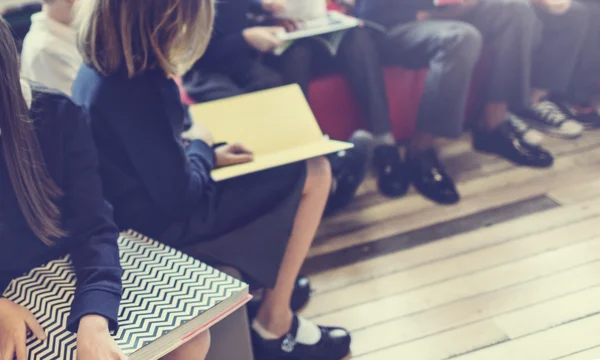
x=318 y=173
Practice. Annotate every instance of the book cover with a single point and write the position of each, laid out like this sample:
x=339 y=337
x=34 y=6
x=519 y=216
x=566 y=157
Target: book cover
x=332 y=21
x=167 y=298
x=277 y=125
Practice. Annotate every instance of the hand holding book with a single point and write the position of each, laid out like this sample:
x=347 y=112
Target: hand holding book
x=263 y=38
x=15 y=322
x=94 y=341
x=233 y=154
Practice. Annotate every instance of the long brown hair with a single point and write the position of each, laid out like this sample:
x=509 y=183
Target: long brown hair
x=34 y=189
x=143 y=34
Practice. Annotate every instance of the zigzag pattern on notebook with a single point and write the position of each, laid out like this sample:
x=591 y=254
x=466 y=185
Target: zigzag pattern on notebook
x=163 y=289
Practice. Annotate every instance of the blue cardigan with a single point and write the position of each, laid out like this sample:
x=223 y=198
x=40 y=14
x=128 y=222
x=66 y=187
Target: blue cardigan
x=70 y=157
x=150 y=175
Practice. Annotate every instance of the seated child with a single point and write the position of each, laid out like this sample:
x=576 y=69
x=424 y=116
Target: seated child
x=233 y=65
x=159 y=182
x=50 y=56
x=56 y=208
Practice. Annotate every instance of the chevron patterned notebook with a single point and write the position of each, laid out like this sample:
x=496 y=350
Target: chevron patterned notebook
x=167 y=298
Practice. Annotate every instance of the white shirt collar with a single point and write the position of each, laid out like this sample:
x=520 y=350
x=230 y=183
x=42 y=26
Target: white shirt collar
x=66 y=32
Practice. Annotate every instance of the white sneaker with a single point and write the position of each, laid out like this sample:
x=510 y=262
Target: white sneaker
x=526 y=132
x=547 y=117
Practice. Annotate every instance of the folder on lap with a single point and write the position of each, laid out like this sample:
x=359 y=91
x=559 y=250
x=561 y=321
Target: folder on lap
x=277 y=125
x=168 y=298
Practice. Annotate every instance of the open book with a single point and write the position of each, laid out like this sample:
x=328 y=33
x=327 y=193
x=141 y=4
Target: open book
x=277 y=125
x=328 y=30
x=331 y=21
x=314 y=21
x=168 y=297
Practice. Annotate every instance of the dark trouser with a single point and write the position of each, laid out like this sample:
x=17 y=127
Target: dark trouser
x=560 y=43
x=451 y=49
x=357 y=58
x=583 y=86
x=208 y=86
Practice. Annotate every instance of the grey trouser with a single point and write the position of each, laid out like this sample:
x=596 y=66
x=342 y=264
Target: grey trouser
x=584 y=82
x=560 y=42
x=451 y=49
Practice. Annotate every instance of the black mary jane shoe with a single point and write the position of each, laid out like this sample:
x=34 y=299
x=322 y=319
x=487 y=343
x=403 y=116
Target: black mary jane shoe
x=430 y=178
x=333 y=345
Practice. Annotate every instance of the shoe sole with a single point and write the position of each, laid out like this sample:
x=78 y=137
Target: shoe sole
x=487 y=152
x=550 y=131
x=590 y=127
x=435 y=201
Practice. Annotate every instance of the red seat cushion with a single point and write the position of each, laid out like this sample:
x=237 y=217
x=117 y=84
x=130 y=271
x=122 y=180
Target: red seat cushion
x=339 y=114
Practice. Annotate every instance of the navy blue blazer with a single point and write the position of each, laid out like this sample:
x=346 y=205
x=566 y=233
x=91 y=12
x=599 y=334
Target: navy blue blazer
x=71 y=160
x=150 y=175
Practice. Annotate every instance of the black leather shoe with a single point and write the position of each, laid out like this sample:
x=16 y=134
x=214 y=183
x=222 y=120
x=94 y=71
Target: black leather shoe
x=392 y=175
x=300 y=298
x=349 y=168
x=430 y=178
x=505 y=142
x=301 y=294
x=334 y=345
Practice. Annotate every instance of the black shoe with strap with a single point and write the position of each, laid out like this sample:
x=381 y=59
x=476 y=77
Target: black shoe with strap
x=505 y=142
x=333 y=345
x=430 y=178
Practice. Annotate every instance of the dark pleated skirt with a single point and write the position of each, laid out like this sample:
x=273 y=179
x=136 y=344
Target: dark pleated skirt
x=246 y=223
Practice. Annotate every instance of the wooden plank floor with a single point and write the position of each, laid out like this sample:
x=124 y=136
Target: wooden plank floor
x=512 y=272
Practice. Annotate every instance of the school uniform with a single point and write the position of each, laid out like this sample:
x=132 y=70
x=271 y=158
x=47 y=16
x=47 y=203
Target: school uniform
x=161 y=186
x=70 y=158
x=583 y=85
x=559 y=45
x=230 y=66
x=50 y=55
x=357 y=59
x=450 y=49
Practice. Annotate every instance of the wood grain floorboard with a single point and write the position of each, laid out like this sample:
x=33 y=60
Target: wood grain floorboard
x=390 y=218
x=509 y=273
x=392 y=244
x=592 y=353
x=445 y=269
x=481 y=307
x=453 y=246
x=547 y=344
x=469 y=285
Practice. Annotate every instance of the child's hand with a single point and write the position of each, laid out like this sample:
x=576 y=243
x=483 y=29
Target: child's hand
x=14 y=322
x=263 y=38
x=94 y=341
x=275 y=7
x=233 y=154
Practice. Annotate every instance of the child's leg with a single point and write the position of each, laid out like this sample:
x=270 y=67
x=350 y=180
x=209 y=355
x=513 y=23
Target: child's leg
x=275 y=314
x=195 y=349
